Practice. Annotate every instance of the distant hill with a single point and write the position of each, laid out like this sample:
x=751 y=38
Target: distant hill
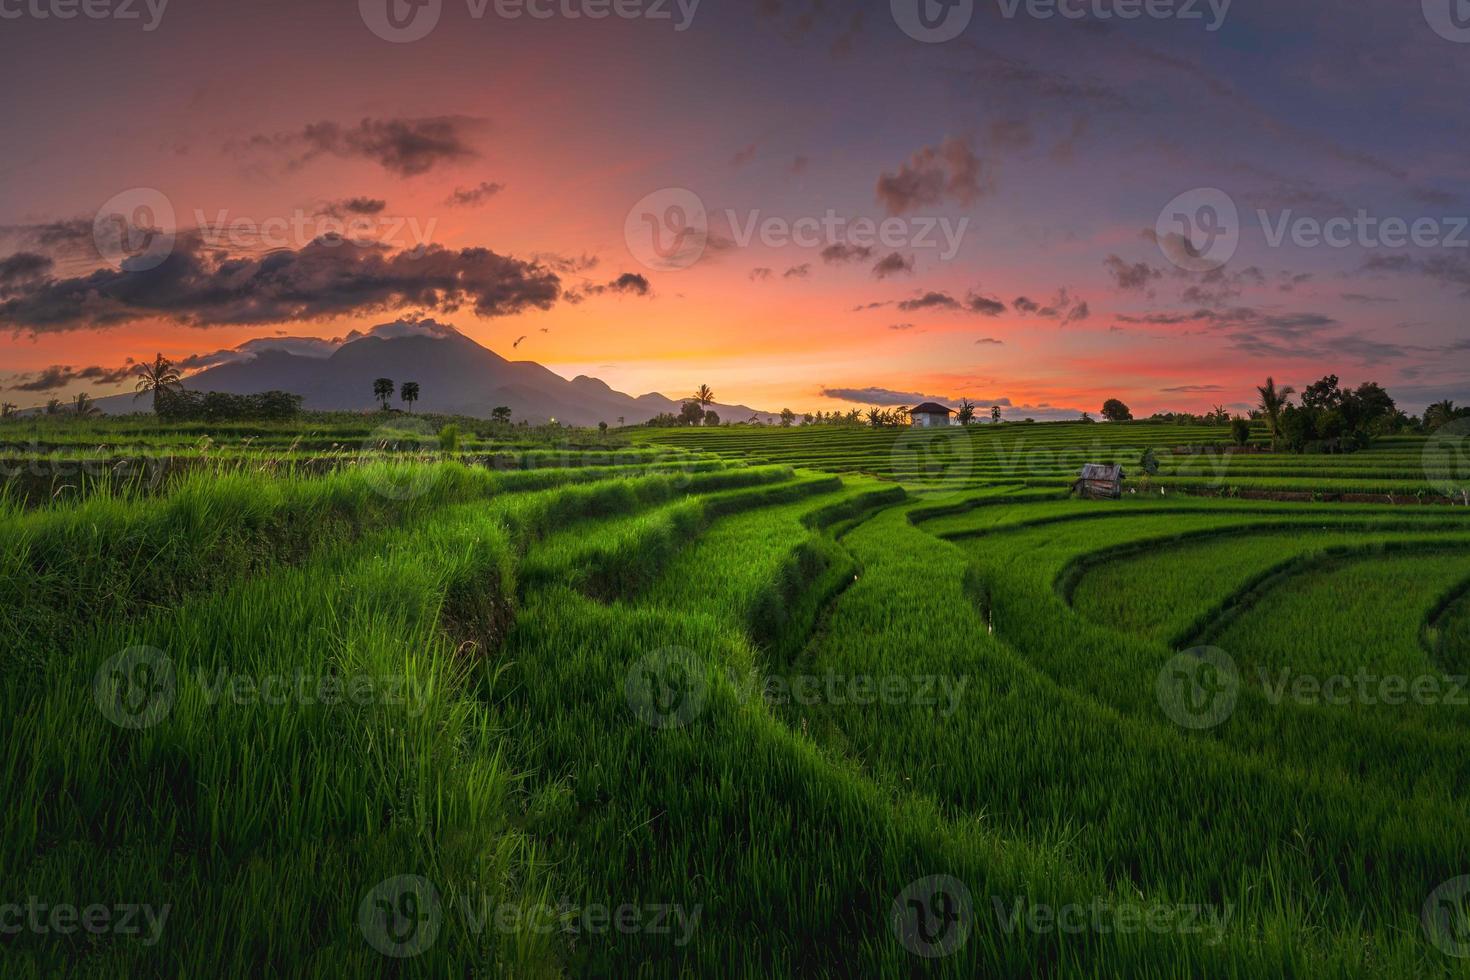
x=455 y=376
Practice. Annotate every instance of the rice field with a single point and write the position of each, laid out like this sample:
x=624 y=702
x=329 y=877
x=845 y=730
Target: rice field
x=734 y=702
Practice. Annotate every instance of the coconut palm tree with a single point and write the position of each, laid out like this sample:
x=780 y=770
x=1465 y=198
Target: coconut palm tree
x=704 y=396
x=966 y=414
x=409 y=392
x=383 y=391
x=83 y=407
x=1273 y=402
x=1438 y=414
x=161 y=375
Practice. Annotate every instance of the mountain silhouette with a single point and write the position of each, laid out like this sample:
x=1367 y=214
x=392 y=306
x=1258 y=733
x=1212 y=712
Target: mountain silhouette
x=456 y=375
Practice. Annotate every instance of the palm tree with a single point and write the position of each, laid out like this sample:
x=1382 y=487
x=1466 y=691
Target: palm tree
x=83 y=407
x=161 y=375
x=409 y=392
x=383 y=390
x=1273 y=402
x=53 y=407
x=1438 y=414
x=966 y=414
x=704 y=396
x=994 y=413
x=8 y=410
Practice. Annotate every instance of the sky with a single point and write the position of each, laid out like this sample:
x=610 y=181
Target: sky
x=814 y=205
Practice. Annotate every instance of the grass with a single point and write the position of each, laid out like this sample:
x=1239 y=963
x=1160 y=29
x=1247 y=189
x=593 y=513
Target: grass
x=724 y=688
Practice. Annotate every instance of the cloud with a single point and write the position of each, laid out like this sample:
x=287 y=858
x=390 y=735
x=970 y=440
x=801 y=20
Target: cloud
x=893 y=264
x=1449 y=270
x=354 y=205
x=629 y=283
x=328 y=277
x=880 y=396
x=798 y=271
x=21 y=268
x=404 y=147
x=989 y=340
x=1062 y=307
x=1191 y=389
x=760 y=273
x=839 y=253
x=1367 y=298
x=1134 y=277
x=934 y=174
x=60 y=375
x=468 y=197
x=974 y=302
x=900 y=326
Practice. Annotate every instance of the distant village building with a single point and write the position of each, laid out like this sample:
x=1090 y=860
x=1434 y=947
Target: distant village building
x=1100 y=481
x=930 y=414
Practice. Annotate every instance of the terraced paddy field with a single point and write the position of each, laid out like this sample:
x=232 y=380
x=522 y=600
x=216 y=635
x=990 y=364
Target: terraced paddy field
x=734 y=709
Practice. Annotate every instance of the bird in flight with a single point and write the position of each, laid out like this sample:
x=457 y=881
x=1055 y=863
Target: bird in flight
x=518 y=340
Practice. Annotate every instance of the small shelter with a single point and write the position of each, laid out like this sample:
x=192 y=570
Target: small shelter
x=929 y=414
x=1100 y=481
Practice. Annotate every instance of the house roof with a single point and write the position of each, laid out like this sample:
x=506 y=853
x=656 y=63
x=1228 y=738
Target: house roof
x=1102 y=471
x=930 y=408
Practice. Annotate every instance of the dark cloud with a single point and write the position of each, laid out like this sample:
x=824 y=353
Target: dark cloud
x=880 y=396
x=405 y=147
x=900 y=326
x=1024 y=305
x=893 y=264
x=1367 y=298
x=835 y=254
x=328 y=277
x=1191 y=389
x=984 y=305
x=929 y=301
x=1063 y=307
x=798 y=271
x=354 y=205
x=629 y=283
x=1448 y=270
x=60 y=375
x=934 y=174
x=23 y=267
x=989 y=340
x=1131 y=276
x=468 y=197
x=759 y=273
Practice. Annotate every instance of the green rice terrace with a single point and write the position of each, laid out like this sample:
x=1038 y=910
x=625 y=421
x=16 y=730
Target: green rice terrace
x=337 y=699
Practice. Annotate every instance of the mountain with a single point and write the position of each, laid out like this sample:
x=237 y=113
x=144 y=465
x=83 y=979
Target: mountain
x=455 y=376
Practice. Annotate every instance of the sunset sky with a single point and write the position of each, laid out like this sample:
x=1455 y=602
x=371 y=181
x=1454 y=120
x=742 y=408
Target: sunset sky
x=1049 y=146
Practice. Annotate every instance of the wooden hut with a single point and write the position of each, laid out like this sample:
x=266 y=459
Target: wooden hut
x=1100 y=481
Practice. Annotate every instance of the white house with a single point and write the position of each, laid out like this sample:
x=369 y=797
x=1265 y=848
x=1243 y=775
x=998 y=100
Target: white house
x=930 y=414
